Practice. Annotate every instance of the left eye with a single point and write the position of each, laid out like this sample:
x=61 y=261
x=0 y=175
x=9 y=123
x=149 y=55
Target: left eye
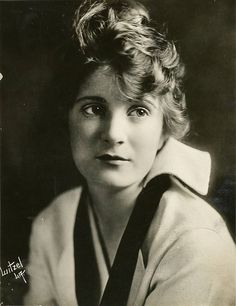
x=139 y=112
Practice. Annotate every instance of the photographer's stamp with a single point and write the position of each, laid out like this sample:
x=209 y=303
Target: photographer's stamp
x=15 y=267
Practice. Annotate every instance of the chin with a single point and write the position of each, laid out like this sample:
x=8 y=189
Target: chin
x=112 y=181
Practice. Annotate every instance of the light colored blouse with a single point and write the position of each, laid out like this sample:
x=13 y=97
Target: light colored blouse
x=187 y=259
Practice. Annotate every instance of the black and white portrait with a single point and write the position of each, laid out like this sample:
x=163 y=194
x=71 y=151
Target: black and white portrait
x=118 y=153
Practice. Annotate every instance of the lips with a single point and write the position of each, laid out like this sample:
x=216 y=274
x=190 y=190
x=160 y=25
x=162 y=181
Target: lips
x=109 y=157
x=112 y=160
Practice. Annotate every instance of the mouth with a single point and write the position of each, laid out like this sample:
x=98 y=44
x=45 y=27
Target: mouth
x=112 y=159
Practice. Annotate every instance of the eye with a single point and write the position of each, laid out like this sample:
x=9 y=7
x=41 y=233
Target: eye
x=93 y=110
x=139 y=112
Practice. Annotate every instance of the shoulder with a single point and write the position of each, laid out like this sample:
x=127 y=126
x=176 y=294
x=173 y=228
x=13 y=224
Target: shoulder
x=56 y=220
x=183 y=216
x=184 y=210
x=64 y=202
x=189 y=249
x=194 y=270
x=63 y=205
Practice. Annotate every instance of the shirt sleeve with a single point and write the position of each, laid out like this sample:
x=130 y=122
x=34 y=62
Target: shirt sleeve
x=197 y=270
x=40 y=287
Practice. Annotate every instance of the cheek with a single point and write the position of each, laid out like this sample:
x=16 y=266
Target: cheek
x=149 y=138
x=80 y=131
x=147 y=147
x=78 y=137
x=83 y=138
x=79 y=147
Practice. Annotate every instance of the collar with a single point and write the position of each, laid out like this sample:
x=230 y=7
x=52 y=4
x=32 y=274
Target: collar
x=190 y=165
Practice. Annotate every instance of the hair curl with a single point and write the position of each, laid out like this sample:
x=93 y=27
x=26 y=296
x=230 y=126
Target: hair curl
x=119 y=34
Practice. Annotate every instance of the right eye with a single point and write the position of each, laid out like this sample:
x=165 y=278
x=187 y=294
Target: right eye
x=93 y=110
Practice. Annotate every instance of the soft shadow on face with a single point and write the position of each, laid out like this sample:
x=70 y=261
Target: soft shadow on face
x=114 y=141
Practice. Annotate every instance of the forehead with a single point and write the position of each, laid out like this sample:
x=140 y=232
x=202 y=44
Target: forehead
x=101 y=82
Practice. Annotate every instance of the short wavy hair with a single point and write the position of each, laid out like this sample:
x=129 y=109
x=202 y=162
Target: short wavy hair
x=119 y=34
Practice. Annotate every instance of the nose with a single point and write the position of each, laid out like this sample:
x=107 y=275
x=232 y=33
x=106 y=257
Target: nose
x=113 y=131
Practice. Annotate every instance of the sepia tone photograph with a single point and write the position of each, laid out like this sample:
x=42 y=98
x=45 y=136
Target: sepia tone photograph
x=118 y=152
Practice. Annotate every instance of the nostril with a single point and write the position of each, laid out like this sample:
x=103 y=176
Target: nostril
x=113 y=141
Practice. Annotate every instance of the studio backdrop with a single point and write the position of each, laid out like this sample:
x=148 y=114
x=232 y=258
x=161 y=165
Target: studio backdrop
x=36 y=158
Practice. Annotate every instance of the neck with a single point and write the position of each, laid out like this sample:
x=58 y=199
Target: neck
x=113 y=203
x=113 y=208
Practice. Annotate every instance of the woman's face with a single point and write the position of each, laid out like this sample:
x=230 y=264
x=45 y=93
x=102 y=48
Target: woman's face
x=114 y=141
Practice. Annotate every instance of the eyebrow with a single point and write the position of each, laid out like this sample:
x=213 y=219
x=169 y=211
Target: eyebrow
x=153 y=102
x=99 y=99
x=144 y=102
x=93 y=98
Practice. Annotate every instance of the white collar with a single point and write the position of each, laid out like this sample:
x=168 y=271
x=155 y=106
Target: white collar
x=189 y=165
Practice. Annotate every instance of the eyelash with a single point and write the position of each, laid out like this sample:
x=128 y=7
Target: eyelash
x=139 y=109
x=93 y=110
x=98 y=110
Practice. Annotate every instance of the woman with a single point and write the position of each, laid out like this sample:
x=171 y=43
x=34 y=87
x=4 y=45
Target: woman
x=137 y=231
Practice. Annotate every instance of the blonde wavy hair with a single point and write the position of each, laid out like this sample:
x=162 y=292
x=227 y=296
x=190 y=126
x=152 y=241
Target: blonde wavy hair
x=119 y=34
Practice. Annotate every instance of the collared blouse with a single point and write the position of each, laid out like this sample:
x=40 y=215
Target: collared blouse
x=187 y=258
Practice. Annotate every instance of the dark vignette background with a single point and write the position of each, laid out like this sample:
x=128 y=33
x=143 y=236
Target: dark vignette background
x=37 y=164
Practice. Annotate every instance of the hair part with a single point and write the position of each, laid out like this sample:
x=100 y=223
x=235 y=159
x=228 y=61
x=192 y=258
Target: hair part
x=120 y=34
